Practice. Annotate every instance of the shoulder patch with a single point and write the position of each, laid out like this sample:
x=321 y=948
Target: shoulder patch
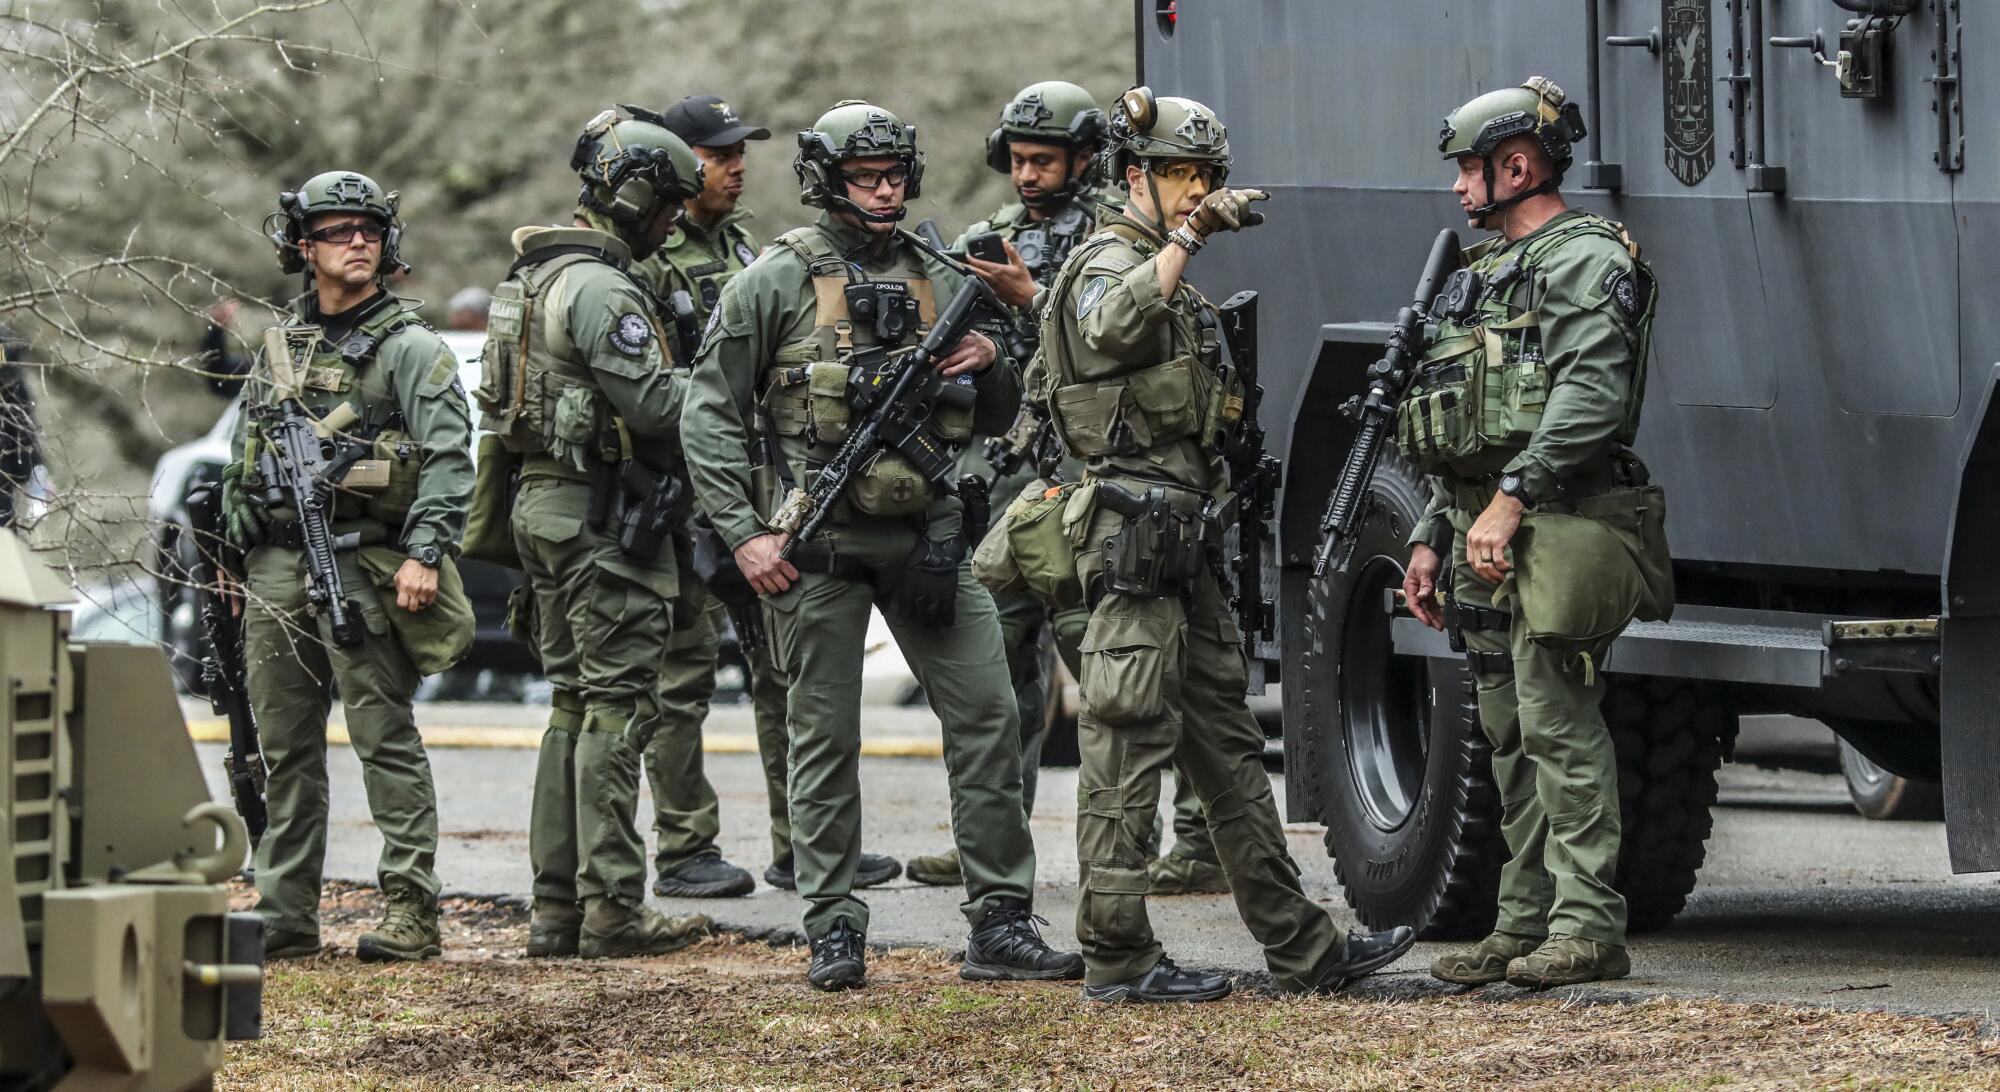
x=708 y=331
x=1627 y=291
x=1093 y=291
x=631 y=334
x=743 y=252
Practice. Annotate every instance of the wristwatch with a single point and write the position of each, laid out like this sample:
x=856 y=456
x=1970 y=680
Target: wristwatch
x=427 y=555
x=1512 y=485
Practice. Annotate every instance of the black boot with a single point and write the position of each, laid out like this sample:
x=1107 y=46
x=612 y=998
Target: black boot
x=1165 y=982
x=705 y=877
x=874 y=869
x=839 y=959
x=1363 y=954
x=1007 y=946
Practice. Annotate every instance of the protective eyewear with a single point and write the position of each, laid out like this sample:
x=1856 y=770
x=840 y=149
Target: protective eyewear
x=870 y=179
x=343 y=234
x=1184 y=172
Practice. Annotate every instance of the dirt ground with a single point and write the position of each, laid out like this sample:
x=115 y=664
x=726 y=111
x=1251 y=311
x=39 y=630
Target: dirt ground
x=736 y=1013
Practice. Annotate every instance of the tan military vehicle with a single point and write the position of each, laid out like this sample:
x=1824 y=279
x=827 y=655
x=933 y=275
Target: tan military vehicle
x=121 y=966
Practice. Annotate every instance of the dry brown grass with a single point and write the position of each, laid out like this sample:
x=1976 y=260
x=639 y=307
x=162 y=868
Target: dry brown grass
x=737 y=1014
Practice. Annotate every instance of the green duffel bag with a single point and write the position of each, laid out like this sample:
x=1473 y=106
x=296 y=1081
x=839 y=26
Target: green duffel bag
x=1581 y=579
x=488 y=534
x=436 y=637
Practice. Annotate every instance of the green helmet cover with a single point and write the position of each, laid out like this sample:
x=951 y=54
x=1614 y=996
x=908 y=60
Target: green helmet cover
x=853 y=129
x=632 y=166
x=1146 y=129
x=334 y=191
x=1537 y=108
x=1050 y=112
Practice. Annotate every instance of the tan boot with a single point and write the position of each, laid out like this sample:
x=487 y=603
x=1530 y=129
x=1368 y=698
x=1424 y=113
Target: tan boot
x=1564 y=960
x=1485 y=961
x=1177 y=875
x=409 y=932
x=552 y=932
x=937 y=869
x=612 y=930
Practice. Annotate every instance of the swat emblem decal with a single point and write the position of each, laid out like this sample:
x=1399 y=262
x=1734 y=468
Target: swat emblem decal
x=743 y=252
x=631 y=334
x=1688 y=88
x=1092 y=292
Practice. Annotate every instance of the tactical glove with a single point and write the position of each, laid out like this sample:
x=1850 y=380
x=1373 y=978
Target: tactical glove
x=1226 y=210
x=243 y=519
x=927 y=592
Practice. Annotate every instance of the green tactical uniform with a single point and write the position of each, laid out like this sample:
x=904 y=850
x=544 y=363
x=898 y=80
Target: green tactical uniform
x=765 y=355
x=403 y=381
x=1163 y=677
x=699 y=260
x=1570 y=332
x=1556 y=339
x=605 y=618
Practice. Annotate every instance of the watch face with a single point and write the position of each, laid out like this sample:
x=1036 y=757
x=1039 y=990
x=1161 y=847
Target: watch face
x=1510 y=484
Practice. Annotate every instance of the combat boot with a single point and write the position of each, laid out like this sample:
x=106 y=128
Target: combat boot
x=1564 y=960
x=1363 y=954
x=1165 y=982
x=938 y=869
x=285 y=944
x=706 y=877
x=874 y=869
x=839 y=959
x=1174 y=874
x=409 y=931
x=1007 y=946
x=1484 y=962
x=613 y=930
x=552 y=932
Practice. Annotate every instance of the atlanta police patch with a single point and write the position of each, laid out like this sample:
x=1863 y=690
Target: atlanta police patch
x=1624 y=290
x=631 y=334
x=1092 y=292
x=743 y=252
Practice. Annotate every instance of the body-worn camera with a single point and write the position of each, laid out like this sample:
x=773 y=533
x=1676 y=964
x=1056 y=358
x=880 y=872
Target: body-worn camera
x=885 y=306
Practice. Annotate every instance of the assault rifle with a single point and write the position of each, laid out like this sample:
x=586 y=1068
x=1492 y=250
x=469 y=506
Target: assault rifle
x=1030 y=441
x=893 y=396
x=1375 y=413
x=1254 y=475
x=222 y=670
x=301 y=461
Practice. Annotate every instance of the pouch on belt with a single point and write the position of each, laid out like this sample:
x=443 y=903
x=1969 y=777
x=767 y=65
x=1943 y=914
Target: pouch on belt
x=437 y=637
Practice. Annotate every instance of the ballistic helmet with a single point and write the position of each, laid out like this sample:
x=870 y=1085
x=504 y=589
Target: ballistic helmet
x=1147 y=130
x=853 y=129
x=631 y=167
x=334 y=191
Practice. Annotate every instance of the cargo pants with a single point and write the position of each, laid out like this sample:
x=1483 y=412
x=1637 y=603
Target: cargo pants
x=292 y=665
x=1163 y=685
x=815 y=629
x=1556 y=770
x=686 y=819
x=603 y=625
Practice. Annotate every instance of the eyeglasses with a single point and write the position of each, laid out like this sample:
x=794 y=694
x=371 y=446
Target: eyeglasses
x=343 y=234
x=870 y=179
x=1184 y=171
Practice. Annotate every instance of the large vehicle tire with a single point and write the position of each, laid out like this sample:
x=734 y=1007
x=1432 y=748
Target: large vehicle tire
x=1412 y=820
x=1879 y=794
x=1671 y=736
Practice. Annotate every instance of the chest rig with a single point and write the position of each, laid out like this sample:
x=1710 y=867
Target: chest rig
x=382 y=483
x=1480 y=393
x=707 y=277
x=808 y=392
x=1130 y=412
x=536 y=392
x=1044 y=244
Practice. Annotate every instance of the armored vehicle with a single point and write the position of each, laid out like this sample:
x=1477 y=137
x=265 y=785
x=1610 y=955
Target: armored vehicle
x=121 y=966
x=1819 y=404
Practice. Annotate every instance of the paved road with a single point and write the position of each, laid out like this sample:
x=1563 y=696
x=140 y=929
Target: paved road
x=1800 y=901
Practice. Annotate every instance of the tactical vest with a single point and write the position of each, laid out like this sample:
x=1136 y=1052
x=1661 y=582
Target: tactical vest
x=1185 y=396
x=1479 y=394
x=805 y=392
x=383 y=486
x=536 y=390
x=707 y=278
x=1044 y=244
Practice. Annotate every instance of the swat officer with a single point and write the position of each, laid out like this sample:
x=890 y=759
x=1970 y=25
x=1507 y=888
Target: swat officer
x=353 y=347
x=1048 y=136
x=578 y=385
x=1573 y=305
x=1135 y=393
x=686 y=276
x=777 y=350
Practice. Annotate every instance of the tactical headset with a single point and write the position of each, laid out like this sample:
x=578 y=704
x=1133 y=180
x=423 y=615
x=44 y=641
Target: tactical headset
x=819 y=159
x=286 y=228
x=639 y=177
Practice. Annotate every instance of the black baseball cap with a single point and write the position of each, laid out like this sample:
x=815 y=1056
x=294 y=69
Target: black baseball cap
x=708 y=121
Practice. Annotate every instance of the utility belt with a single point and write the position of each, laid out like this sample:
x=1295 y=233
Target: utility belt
x=1622 y=470
x=1169 y=536
x=290 y=534
x=647 y=505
